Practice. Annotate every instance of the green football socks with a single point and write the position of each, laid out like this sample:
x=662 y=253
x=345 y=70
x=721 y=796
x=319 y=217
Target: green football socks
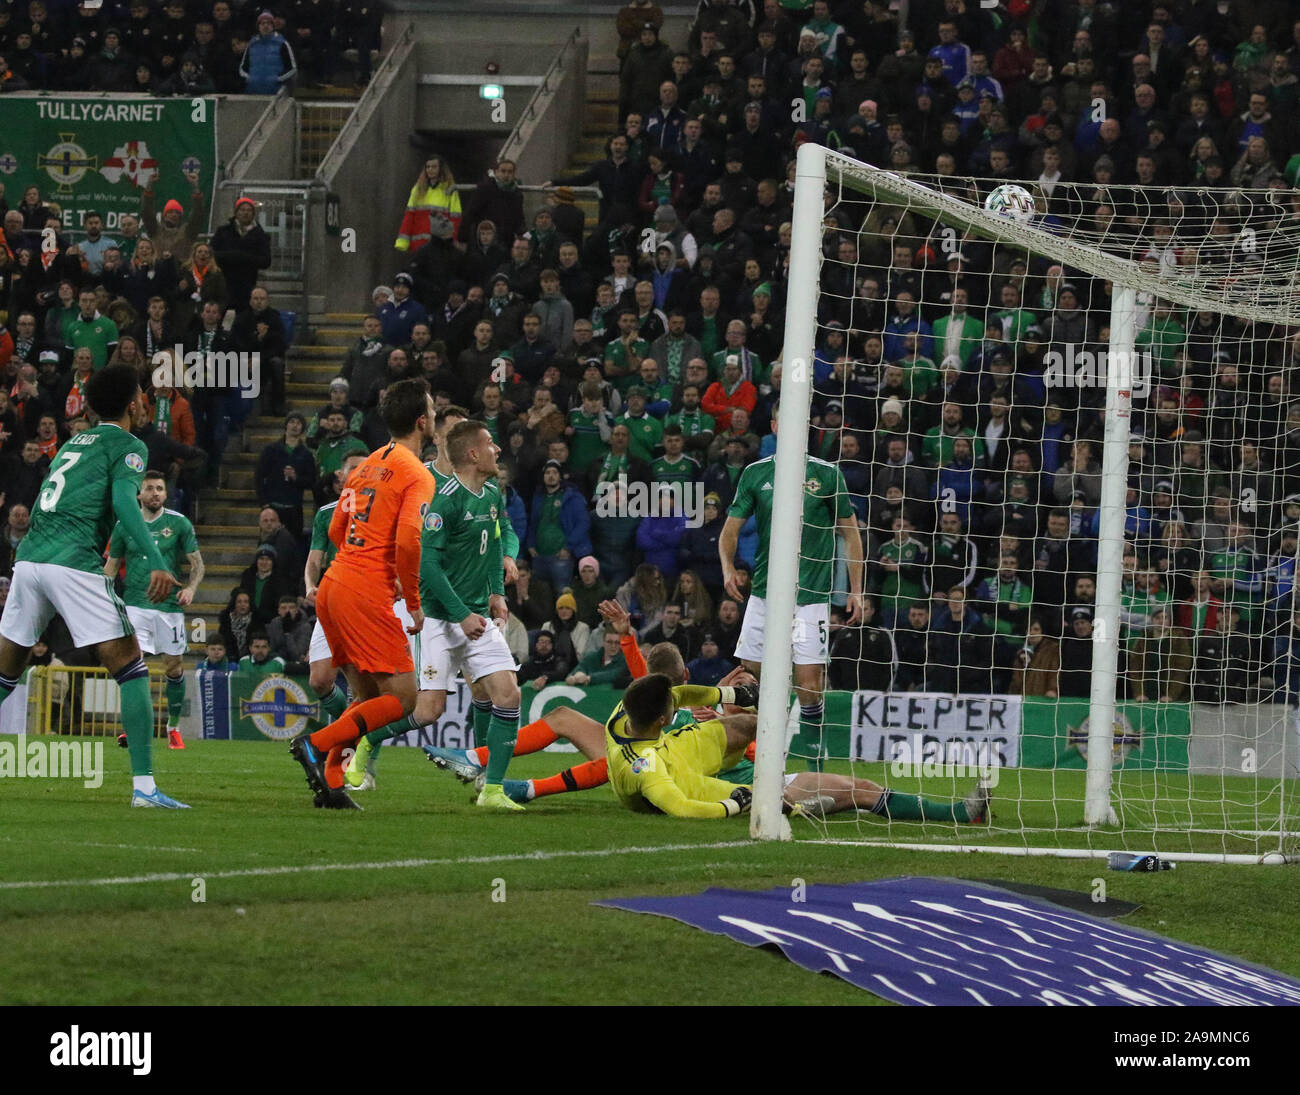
x=503 y=729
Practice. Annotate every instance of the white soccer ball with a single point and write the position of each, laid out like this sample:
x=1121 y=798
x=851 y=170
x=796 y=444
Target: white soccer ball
x=1011 y=201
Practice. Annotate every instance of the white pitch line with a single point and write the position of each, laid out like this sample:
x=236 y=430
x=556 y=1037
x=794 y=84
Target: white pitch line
x=93 y=844
x=388 y=865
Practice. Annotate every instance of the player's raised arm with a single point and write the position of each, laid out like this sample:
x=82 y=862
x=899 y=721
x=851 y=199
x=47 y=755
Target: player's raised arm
x=618 y=621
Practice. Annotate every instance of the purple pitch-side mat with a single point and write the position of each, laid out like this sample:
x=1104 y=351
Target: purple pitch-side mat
x=951 y=942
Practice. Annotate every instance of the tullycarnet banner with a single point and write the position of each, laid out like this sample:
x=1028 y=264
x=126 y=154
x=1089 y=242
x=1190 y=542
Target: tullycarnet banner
x=99 y=153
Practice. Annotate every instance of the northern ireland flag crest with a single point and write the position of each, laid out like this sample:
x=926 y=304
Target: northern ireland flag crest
x=132 y=162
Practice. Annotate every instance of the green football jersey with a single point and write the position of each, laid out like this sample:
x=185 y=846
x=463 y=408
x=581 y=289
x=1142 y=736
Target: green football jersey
x=174 y=535
x=73 y=516
x=98 y=333
x=693 y=424
x=262 y=669
x=646 y=433
x=684 y=470
x=616 y=355
x=320 y=535
x=509 y=538
x=898 y=589
x=586 y=446
x=825 y=501
x=331 y=453
x=462 y=530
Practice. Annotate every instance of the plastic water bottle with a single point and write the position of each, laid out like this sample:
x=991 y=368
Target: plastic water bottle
x=1128 y=861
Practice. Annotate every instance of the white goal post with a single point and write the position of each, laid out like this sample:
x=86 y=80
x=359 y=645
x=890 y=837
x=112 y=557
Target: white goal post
x=1258 y=283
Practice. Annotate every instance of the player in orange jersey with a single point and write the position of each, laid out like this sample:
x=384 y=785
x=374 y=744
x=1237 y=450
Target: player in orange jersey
x=376 y=527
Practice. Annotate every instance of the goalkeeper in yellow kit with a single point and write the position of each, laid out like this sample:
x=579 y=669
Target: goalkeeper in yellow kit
x=673 y=772
x=655 y=767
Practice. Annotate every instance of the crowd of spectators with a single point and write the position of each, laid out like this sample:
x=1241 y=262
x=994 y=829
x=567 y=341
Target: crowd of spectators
x=614 y=360
x=645 y=349
x=69 y=308
x=176 y=48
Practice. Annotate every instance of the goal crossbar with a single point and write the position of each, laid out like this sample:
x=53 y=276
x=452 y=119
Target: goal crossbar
x=1264 y=302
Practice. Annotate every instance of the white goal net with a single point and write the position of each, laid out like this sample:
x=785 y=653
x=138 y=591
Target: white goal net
x=1073 y=453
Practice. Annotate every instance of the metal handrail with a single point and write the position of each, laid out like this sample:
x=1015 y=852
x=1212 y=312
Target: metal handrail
x=536 y=188
x=370 y=100
x=275 y=108
x=303 y=190
x=523 y=126
x=273 y=184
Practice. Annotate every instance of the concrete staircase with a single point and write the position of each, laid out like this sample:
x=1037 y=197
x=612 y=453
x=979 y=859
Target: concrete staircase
x=318 y=124
x=227 y=516
x=600 y=122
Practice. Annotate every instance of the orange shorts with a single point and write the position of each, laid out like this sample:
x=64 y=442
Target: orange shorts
x=362 y=631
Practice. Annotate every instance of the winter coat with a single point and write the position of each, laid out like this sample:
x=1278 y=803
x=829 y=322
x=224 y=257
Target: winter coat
x=575 y=522
x=658 y=539
x=267 y=63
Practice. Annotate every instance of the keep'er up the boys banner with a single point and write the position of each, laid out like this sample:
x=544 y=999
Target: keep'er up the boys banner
x=100 y=152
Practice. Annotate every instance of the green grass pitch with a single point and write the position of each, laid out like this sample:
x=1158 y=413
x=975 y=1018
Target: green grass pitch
x=97 y=900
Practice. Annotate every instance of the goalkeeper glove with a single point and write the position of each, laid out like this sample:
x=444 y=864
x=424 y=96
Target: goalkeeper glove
x=743 y=695
x=738 y=802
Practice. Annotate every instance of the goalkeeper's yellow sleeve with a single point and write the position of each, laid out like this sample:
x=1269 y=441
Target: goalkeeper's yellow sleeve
x=700 y=695
x=709 y=696
x=662 y=791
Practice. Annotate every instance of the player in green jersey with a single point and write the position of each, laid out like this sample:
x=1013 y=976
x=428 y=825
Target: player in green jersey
x=94 y=479
x=461 y=586
x=160 y=628
x=323 y=674
x=435 y=673
x=826 y=512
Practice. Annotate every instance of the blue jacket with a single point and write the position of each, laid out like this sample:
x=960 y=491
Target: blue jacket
x=517 y=512
x=267 y=63
x=897 y=328
x=955 y=59
x=396 y=320
x=575 y=521
x=959 y=485
x=747 y=542
x=658 y=538
x=710 y=670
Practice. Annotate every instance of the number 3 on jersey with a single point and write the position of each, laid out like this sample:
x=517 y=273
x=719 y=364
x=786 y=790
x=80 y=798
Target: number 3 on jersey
x=55 y=481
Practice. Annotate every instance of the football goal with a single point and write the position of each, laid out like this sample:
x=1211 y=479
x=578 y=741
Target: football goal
x=1063 y=418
